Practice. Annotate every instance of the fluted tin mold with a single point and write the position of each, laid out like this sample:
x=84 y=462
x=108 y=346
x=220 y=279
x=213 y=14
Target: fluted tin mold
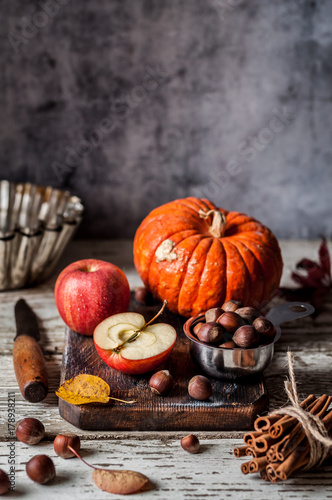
x=36 y=223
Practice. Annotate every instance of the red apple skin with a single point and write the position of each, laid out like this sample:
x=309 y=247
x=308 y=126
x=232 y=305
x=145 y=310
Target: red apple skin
x=133 y=366
x=88 y=291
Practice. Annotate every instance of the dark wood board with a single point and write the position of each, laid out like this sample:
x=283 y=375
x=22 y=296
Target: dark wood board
x=233 y=406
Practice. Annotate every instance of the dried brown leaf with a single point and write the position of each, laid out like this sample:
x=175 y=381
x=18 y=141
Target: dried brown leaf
x=119 y=482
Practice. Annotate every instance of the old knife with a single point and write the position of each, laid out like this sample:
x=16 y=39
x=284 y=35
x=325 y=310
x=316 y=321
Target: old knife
x=28 y=359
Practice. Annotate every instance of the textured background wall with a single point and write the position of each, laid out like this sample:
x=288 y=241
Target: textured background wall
x=131 y=104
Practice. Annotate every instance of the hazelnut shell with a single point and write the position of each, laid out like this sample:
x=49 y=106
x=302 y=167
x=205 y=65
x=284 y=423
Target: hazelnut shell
x=4 y=482
x=231 y=305
x=200 y=388
x=197 y=327
x=246 y=336
x=40 y=469
x=230 y=344
x=30 y=430
x=249 y=314
x=213 y=314
x=264 y=327
x=230 y=321
x=61 y=443
x=210 y=333
x=143 y=296
x=161 y=382
x=190 y=443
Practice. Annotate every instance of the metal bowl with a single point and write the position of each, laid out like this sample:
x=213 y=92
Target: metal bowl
x=36 y=223
x=220 y=362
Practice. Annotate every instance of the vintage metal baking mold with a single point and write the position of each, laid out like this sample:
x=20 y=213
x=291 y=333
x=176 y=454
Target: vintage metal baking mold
x=36 y=223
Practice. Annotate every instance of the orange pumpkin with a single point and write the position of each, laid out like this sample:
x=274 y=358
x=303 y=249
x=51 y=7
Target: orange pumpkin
x=197 y=256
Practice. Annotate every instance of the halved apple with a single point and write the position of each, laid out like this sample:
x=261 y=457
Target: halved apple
x=126 y=344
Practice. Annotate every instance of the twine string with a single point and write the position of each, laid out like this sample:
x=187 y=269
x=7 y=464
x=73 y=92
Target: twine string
x=316 y=432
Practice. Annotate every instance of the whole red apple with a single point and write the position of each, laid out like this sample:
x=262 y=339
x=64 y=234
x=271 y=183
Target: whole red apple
x=88 y=291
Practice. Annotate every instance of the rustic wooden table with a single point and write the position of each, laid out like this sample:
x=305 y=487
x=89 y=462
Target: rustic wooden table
x=213 y=473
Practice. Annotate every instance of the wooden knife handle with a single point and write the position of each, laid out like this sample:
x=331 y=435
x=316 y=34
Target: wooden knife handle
x=30 y=369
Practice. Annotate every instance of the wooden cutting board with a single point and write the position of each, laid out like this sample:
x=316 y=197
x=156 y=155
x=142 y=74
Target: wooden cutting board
x=233 y=406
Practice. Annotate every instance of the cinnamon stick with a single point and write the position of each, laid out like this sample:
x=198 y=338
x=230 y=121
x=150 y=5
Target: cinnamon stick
x=271 y=471
x=257 y=464
x=240 y=451
x=300 y=456
x=264 y=423
x=271 y=453
x=264 y=475
x=297 y=435
x=254 y=453
x=279 y=428
x=245 y=467
x=263 y=442
x=277 y=459
x=249 y=437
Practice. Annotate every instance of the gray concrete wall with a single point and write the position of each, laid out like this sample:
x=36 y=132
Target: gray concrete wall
x=131 y=104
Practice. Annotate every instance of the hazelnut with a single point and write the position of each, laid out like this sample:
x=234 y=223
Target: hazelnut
x=231 y=305
x=210 y=333
x=161 y=382
x=4 y=482
x=230 y=344
x=190 y=443
x=246 y=336
x=143 y=296
x=230 y=321
x=200 y=388
x=249 y=314
x=197 y=327
x=264 y=327
x=213 y=314
x=40 y=469
x=61 y=443
x=30 y=430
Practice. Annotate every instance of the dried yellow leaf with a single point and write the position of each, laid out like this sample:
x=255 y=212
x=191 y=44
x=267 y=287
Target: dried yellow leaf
x=84 y=388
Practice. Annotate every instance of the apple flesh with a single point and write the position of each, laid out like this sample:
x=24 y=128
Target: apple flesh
x=88 y=291
x=152 y=345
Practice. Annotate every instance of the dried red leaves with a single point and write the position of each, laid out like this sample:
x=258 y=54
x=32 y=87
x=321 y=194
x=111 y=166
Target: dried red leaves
x=313 y=277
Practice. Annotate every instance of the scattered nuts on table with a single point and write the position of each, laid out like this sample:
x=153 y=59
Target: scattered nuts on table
x=161 y=382
x=61 y=443
x=40 y=469
x=4 y=482
x=190 y=443
x=30 y=430
x=200 y=388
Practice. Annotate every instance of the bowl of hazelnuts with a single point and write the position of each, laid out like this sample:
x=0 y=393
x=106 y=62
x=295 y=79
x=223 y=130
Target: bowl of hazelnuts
x=234 y=341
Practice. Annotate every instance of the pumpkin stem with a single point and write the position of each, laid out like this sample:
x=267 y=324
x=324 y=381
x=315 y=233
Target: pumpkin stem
x=218 y=226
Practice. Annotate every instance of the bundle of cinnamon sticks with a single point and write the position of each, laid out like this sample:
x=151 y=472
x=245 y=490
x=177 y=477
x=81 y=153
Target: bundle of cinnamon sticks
x=279 y=445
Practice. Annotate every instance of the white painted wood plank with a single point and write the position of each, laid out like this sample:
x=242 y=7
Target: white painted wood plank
x=214 y=473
